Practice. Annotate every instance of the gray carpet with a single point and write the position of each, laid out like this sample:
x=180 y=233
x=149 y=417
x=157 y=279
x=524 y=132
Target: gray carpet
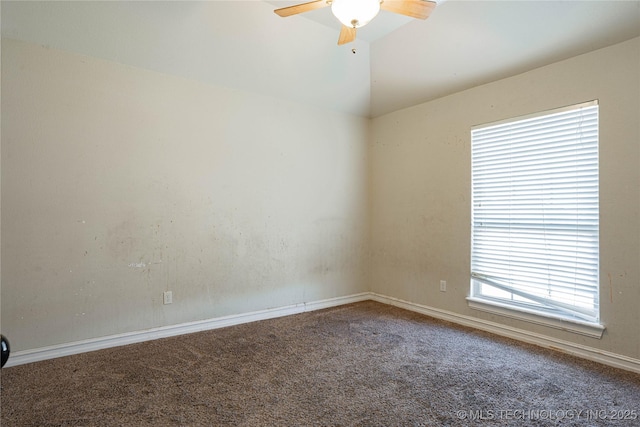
x=365 y=364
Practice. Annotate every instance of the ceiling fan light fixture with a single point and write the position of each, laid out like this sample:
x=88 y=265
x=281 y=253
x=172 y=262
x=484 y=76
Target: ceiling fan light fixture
x=355 y=13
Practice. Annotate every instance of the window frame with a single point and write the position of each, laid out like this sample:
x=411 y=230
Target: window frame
x=532 y=312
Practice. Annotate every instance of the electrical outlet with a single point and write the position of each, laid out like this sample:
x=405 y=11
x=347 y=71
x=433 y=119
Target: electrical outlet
x=167 y=297
x=443 y=286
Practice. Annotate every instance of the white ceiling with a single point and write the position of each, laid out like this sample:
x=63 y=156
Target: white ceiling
x=399 y=62
x=467 y=43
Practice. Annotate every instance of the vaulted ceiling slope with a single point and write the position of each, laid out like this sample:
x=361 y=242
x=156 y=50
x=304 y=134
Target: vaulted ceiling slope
x=397 y=63
x=242 y=45
x=467 y=43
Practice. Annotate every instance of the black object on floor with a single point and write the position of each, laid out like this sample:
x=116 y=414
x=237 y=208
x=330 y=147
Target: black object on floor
x=4 y=343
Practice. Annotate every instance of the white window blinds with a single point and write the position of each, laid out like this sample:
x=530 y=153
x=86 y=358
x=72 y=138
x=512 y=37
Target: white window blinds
x=535 y=213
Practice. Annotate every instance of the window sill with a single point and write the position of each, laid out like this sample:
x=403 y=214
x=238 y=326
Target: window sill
x=593 y=330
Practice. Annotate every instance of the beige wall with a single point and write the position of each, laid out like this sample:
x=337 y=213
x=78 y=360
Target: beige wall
x=421 y=188
x=120 y=183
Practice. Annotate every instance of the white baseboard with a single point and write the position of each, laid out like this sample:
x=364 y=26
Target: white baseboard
x=589 y=353
x=68 y=349
x=585 y=352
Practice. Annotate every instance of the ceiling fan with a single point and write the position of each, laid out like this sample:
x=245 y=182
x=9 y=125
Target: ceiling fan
x=354 y=14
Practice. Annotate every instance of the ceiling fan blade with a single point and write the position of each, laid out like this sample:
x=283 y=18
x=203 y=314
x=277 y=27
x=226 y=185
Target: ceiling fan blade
x=347 y=35
x=420 y=9
x=301 y=8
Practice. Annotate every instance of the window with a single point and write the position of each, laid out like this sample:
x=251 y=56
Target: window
x=535 y=215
